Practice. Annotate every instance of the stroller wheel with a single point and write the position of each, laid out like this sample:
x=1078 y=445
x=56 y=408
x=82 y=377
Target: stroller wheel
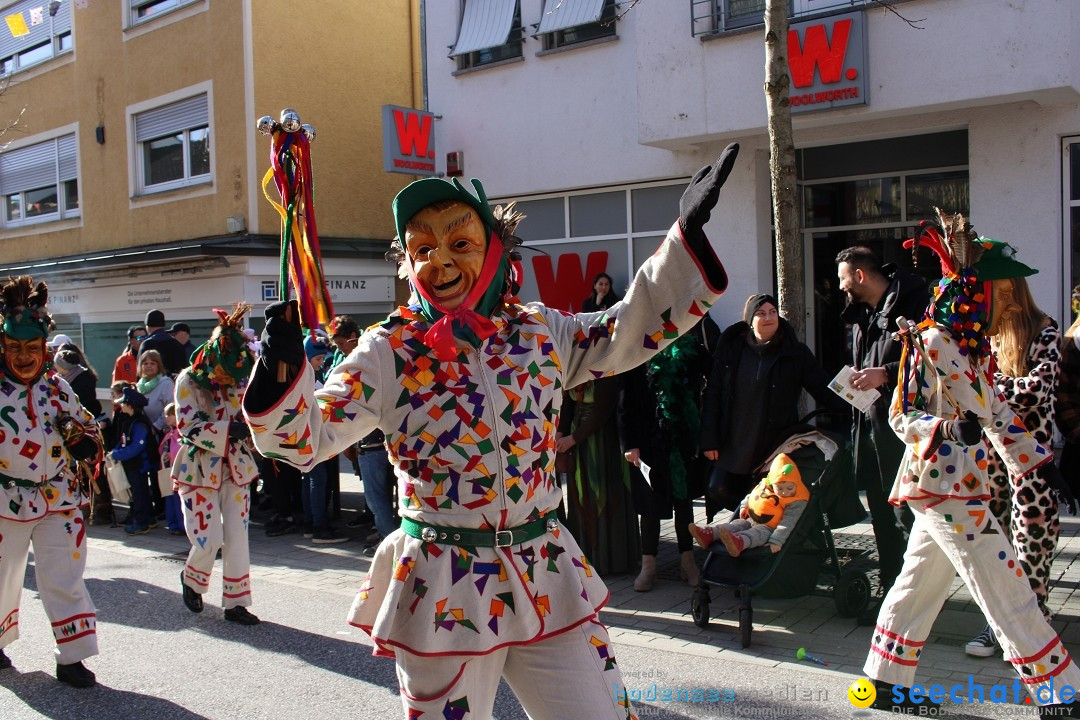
x=746 y=625
x=852 y=593
x=699 y=607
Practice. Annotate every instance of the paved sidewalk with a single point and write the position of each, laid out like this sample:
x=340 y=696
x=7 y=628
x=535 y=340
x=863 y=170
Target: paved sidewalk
x=661 y=619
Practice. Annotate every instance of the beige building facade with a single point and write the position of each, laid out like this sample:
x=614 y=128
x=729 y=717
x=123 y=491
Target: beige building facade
x=132 y=175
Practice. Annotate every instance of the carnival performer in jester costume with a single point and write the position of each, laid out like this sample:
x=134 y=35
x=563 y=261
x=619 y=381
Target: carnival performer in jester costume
x=481 y=581
x=945 y=410
x=45 y=430
x=214 y=468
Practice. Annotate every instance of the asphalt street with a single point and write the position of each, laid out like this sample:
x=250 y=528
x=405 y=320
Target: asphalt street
x=158 y=660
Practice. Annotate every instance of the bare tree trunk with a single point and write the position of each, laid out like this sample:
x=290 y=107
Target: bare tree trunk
x=789 y=246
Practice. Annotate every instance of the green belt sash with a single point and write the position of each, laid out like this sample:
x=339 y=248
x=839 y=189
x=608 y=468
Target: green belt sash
x=8 y=481
x=474 y=537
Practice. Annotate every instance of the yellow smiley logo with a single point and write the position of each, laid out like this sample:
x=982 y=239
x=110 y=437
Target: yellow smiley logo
x=862 y=693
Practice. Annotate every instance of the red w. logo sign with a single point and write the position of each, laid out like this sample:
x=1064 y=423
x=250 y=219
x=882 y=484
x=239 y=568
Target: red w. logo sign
x=817 y=52
x=413 y=133
x=566 y=288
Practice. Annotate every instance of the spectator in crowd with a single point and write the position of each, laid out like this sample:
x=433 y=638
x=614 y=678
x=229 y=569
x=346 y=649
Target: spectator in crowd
x=758 y=374
x=172 y=354
x=182 y=334
x=313 y=483
x=659 y=416
x=83 y=380
x=167 y=450
x=599 y=507
x=126 y=368
x=1026 y=350
x=602 y=296
x=40 y=504
x=112 y=424
x=876 y=295
x=136 y=449
x=215 y=469
x=378 y=481
x=156 y=386
x=344 y=333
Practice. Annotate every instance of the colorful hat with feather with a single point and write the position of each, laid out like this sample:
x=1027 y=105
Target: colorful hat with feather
x=962 y=298
x=225 y=358
x=24 y=313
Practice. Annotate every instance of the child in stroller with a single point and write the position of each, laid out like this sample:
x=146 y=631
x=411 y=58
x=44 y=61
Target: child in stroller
x=766 y=516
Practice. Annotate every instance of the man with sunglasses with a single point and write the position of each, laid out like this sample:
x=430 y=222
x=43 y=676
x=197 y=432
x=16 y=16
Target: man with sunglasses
x=126 y=368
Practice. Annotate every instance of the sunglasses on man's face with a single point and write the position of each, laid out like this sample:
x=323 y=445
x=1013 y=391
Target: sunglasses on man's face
x=139 y=337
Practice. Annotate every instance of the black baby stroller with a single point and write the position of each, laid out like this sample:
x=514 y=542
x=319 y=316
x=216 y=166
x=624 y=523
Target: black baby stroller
x=808 y=553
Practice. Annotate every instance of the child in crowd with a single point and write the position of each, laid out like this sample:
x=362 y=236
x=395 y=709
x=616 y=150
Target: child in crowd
x=133 y=450
x=766 y=516
x=170 y=445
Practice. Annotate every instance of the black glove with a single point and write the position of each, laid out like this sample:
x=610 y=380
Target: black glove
x=966 y=432
x=1053 y=477
x=700 y=197
x=238 y=430
x=284 y=340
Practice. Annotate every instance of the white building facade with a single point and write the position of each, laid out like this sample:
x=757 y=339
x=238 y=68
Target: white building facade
x=593 y=115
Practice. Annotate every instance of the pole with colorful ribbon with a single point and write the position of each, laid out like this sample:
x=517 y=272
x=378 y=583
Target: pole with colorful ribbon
x=300 y=264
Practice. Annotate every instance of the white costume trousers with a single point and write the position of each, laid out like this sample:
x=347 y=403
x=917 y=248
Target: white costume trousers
x=59 y=541
x=218 y=519
x=962 y=536
x=566 y=677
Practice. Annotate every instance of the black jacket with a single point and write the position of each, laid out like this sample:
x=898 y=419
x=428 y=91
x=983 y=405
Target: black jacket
x=84 y=384
x=793 y=370
x=170 y=349
x=873 y=345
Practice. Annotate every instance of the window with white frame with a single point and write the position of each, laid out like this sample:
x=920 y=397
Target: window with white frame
x=41 y=32
x=709 y=17
x=146 y=10
x=39 y=182
x=570 y=22
x=490 y=32
x=173 y=145
x=1071 y=222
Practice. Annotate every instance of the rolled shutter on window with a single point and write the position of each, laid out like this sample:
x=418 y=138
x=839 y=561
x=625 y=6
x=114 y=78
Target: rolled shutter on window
x=171 y=119
x=67 y=160
x=28 y=168
x=485 y=24
x=563 y=14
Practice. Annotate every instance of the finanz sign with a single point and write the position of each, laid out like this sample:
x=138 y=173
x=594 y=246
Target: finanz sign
x=827 y=59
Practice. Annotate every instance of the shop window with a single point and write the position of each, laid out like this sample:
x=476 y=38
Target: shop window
x=39 y=182
x=1071 y=185
x=598 y=214
x=544 y=219
x=48 y=34
x=711 y=17
x=173 y=145
x=655 y=208
x=571 y=22
x=490 y=32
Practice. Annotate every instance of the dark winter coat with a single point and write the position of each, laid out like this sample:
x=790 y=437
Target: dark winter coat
x=873 y=345
x=793 y=369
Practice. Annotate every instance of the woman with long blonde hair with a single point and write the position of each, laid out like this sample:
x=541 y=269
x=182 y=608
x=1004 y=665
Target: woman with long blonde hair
x=1026 y=350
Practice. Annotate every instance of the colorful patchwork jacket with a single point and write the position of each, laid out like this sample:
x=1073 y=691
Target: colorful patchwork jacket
x=206 y=456
x=935 y=468
x=35 y=467
x=472 y=442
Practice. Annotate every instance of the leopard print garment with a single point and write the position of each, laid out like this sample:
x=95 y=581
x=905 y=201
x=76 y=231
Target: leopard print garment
x=1027 y=509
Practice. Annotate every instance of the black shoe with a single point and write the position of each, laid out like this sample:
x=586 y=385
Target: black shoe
x=363 y=519
x=192 y=599
x=328 y=536
x=76 y=675
x=5 y=661
x=280 y=526
x=369 y=551
x=241 y=615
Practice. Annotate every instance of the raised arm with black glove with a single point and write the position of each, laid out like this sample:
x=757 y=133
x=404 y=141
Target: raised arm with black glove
x=238 y=430
x=695 y=207
x=283 y=342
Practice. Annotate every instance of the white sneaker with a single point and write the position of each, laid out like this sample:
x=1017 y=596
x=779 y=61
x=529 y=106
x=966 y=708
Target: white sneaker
x=983 y=645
